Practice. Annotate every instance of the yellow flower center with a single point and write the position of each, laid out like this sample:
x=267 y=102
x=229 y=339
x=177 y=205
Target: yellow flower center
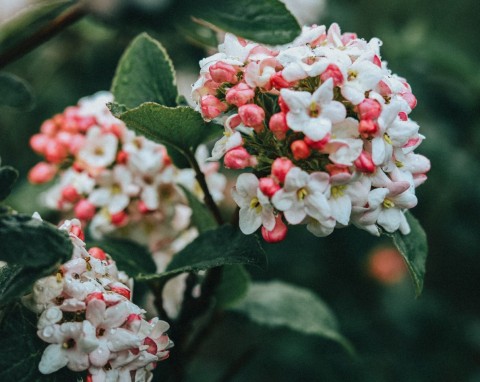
x=255 y=204
x=399 y=164
x=314 y=110
x=352 y=74
x=387 y=203
x=338 y=191
x=387 y=138
x=302 y=193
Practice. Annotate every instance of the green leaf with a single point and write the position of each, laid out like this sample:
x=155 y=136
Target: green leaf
x=414 y=249
x=266 y=21
x=222 y=246
x=233 y=286
x=201 y=216
x=277 y=304
x=145 y=74
x=130 y=257
x=16 y=280
x=180 y=127
x=32 y=242
x=8 y=176
x=29 y=20
x=15 y=92
x=21 y=349
x=197 y=34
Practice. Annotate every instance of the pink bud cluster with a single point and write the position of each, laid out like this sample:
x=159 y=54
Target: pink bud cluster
x=325 y=126
x=111 y=178
x=89 y=321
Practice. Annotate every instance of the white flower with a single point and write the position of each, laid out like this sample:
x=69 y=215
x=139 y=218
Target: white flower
x=362 y=76
x=303 y=195
x=345 y=145
x=230 y=140
x=255 y=208
x=99 y=150
x=313 y=114
x=116 y=189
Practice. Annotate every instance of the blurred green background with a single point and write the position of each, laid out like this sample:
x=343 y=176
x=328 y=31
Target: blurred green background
x=398 y=338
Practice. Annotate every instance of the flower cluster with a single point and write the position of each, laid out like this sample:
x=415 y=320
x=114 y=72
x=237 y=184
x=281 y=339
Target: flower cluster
x=114 y=179
x=324 y=124
x=89 y=321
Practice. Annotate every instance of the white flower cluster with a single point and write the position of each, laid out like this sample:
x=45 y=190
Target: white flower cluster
x=114 y=179
x=89 y=321
x=324 y=124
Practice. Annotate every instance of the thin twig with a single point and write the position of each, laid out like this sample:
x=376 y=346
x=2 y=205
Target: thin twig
x=67 y=18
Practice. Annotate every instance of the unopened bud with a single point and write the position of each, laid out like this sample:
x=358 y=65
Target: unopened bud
x=41 y=173
x=237 y=158
x=278 y=125
x=364 y=162
x=211 y=106
x=332 y=71
x=268 y=186
x=300 y=149
x=240 y=94
x=85 y=210
x=278 y=233
x=369 y=109
x=221 y=72
x=252 y=115
x=280 y=168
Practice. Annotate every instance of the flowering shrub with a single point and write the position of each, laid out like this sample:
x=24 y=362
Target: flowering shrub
x=112 y=178
x=325 y=126
x=87 y=317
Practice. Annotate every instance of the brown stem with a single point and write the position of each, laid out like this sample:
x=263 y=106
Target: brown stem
x=67 y=18
x=209 y=202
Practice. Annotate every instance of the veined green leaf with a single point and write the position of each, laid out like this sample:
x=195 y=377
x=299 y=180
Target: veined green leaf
x=233 y=285
x=145 y=74
x=222 y=246
x=278 y=304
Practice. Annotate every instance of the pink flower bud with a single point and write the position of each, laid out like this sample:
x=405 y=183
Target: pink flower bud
x=49 y=127
x=64 y=138
x=55 y=152
x=278 y=125
x=41 y=173
x=347 y=37
x=84 y=210
x=364 y=162
x=98 y=253
x=410 y=99
x=367 y=127
x=252 y=115
x=211 y=106
x=317 y=145
x=94 y=296
x=237 y=158
x=122 y=157
x=240 y=94
x=334 y=169
x=300 y=149
x=78 y=232
x=70 y=194
x=152 y=346
x=120 y=289
x=76 y=143
x=70 y=126
x=142 y=207
x=85 y=123
x=278 y=232
x=268 y=186
x=278 y=82
x=280 y=168
x=38 y=142
x=369 y=109
x=119 y=219
x=221 y=72
x=332 y=71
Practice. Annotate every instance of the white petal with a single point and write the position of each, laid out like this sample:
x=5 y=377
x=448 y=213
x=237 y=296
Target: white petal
x=250 y=220
x=53 y=359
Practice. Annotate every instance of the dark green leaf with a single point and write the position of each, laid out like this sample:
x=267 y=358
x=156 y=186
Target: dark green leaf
x=16 y=280
x=222 y=246
x=21 y=349
x=201 y=216
x=29 y=20
x=15 y=92
x=414 y=249
x=32 y=242
x=233 y=286
x=145 y=74
x=8 y=176
x=180 y=127
x=130 y=257
x=277 y=304
x=196 y=33
x=266 y=21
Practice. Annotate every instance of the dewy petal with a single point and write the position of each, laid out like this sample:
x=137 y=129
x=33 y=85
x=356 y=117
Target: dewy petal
x=122 y=339
x=100 y=356
x=53 y=359
x=95 y=312
x=250 y=220
x=117 y=314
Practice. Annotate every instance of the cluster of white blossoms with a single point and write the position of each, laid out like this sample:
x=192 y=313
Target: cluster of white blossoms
x=114 y=180
x=89 y=321
x=325 y=126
